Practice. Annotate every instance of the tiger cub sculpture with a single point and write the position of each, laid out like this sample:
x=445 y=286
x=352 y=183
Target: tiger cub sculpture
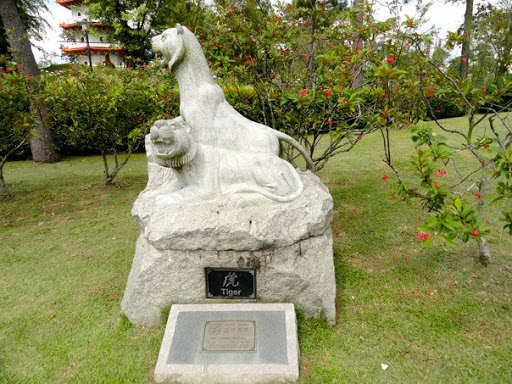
x=203 y=172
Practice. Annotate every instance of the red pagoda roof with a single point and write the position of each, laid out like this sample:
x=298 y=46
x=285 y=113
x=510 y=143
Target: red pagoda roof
x=67 y=3
x=77 y=25
x=72 y=51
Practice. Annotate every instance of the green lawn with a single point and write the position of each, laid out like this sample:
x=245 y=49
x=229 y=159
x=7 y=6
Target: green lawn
x=67 y=243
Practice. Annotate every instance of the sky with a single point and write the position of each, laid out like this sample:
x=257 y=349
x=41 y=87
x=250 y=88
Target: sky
x=446 y=17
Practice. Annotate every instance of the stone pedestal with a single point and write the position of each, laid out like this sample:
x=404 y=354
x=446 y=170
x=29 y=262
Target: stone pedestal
x=289 y=245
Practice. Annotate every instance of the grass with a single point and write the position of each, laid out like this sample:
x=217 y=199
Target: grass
x=67 y=243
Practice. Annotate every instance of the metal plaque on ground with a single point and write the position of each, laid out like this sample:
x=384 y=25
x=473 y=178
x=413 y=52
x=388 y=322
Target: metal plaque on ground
x=229 y=343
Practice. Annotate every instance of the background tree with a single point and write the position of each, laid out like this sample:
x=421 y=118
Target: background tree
x=41 y=139
x=493 y=38
x=135 y=22
x=30 y=14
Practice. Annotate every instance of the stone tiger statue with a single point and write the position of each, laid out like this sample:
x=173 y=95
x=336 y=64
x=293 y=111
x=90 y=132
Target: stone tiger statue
x=213 y=121
x=203 y=172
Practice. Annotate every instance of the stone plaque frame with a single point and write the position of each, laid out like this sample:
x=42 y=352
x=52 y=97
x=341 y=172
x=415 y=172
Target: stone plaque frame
x=245 y=292
x=275 y=360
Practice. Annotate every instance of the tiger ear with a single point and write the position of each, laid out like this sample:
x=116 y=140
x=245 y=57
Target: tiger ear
x=186 y=125
x=179 y=28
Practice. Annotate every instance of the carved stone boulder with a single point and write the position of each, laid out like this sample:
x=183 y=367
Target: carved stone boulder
x=289 y=245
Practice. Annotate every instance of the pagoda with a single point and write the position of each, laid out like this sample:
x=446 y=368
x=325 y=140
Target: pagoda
x=87 y=38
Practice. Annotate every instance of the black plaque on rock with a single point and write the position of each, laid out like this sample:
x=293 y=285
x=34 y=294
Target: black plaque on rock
x=225 y=283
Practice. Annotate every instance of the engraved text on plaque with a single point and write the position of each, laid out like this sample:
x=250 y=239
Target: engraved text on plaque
x=229 y=336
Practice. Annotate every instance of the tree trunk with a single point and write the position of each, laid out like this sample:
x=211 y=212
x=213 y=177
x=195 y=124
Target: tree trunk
x=312 y=48
x=41 y=142
x=4 y=192
x=484 y=254
x=357 y=69
x=466 y=44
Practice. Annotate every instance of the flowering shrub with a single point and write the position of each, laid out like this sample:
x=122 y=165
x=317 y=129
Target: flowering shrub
x=15 y=119
x=302 y=63
x=109 y=111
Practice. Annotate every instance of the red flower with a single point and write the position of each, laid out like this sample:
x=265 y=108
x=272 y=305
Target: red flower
x=360 y=137
x=463 y=60
x=436 y=186
x=331 y=46
x=416 y=289
x=485 y=146
x=8 y=70
x=376 y=30
x=357 y=47
x=260 y=30
x=283 y=52
x=20 y=66
x=427 y=309
x=430 y=90
x=443 y=171
x=201 y=35
x=478 y=196
x=385 y=177
x=438 y=111
x=436 y=174
x=303 y=93
x=362 y=30
x=253 y=59
x=327 y=93
x=15 y=127
x=329 y=122
x=217 y=45
x=232 y=10
x=475 y=233
x=484 y=89
x=68 y=101
x=304 y=57
x=423 y=236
